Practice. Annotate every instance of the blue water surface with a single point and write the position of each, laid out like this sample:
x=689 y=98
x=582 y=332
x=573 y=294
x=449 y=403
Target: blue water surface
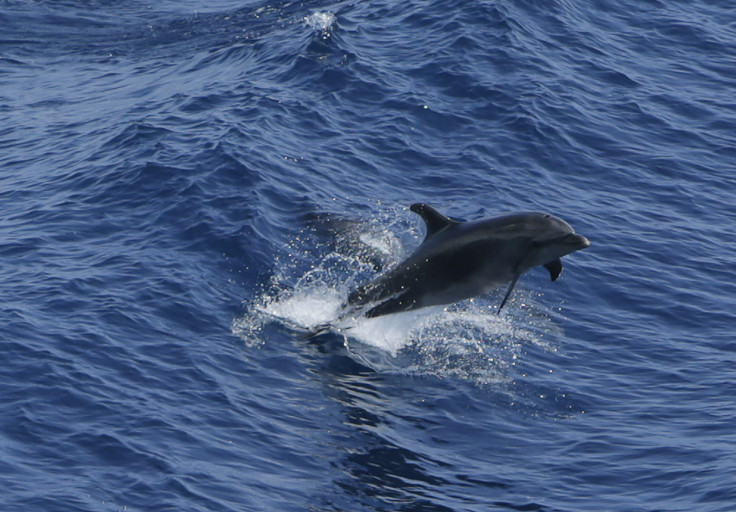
x=186 y=187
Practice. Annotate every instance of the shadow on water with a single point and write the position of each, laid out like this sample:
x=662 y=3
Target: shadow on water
x=391 y=453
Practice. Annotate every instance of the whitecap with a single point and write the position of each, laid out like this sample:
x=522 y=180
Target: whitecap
x=322 y=21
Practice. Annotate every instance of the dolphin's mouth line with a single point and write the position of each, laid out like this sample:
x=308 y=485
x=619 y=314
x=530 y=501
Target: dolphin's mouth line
x=567 y=239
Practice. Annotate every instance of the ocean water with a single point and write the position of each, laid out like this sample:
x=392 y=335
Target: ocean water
x=188 y=187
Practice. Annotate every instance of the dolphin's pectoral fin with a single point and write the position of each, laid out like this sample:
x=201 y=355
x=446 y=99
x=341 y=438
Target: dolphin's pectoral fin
x=555 y=268
x=508 y=292
x=434 y=220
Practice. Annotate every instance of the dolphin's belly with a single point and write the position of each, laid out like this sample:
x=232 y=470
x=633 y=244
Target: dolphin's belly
x=435 y=277
x=451 y=277
x=448 y=292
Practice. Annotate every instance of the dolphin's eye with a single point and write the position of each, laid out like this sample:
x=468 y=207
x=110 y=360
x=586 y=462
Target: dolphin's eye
x=546 y=215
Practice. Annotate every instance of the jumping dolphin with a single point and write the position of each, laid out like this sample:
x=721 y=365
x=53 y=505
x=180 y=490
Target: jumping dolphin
x=458 y=260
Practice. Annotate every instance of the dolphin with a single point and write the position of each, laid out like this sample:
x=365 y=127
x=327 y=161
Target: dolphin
x=459 y=260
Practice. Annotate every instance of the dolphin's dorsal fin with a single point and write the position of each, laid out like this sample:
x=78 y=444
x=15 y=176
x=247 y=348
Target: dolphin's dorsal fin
x=555 y=268
x=434 y=220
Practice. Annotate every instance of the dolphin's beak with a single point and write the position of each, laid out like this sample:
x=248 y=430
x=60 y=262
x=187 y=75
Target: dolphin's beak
x=576 y=240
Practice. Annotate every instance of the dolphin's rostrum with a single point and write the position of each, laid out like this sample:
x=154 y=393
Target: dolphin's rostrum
x=459 y=260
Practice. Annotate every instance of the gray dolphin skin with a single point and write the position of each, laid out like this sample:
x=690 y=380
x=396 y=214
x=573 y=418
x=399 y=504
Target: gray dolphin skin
x=459 y=260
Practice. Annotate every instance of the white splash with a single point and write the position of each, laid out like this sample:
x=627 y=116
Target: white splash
x=305 y=308
x=391 y=333
x=322 y=21
x=385 y=243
